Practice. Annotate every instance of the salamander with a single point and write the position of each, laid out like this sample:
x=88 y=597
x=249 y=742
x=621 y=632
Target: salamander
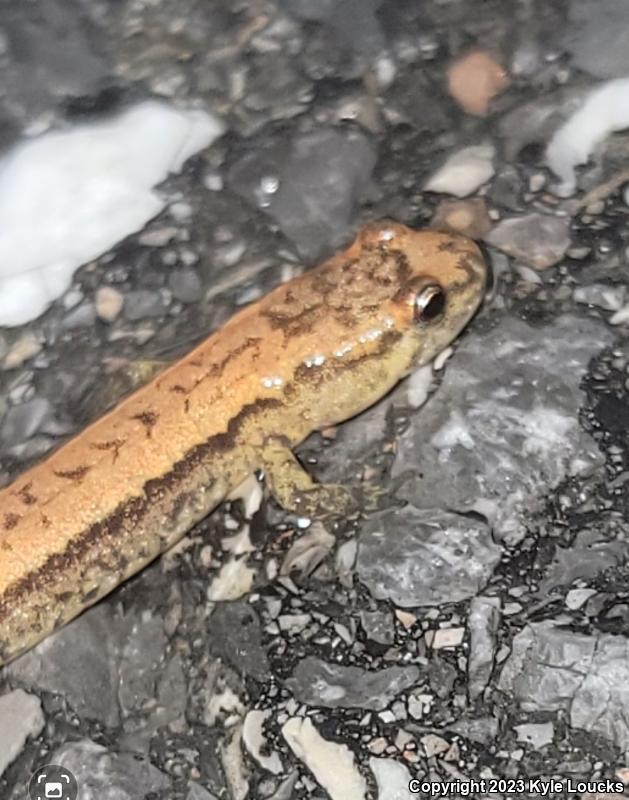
x=314 y=352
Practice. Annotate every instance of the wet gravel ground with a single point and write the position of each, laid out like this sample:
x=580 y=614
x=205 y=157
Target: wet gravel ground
x=477 y=625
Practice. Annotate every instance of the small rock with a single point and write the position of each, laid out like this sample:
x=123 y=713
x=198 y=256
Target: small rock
x=405 y=618
x=392 y=779
x=536 y=734
x=464 y=172
x=159 y=237
x=25 y=348
x=433 y=745
x=308 y=551
x=234 y=580
x=79 y=663
x=20 y=717
x=319 y=683
x=197 y=792
x=551 y=668
x=234 y=766
x=378 y=625
x=24 y=420
x=539 y=240
x=474 y=79
x=445 y=637
x=237 y=638
x=105 y=774
x=142 y=303
x=482 y=622
x=467 y=217
x=185 y=284
x=309 y=186
x=609 y=298
x=596 y=37
x=480 y=729
x=332 y=764
x=255 y=741
x=416 y=557
x=578 y=597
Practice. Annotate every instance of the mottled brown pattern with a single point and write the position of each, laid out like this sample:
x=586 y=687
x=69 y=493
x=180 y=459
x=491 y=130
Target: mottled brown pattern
x=77 y=474
x=26 y=495
x=148 y=419
x=10 y=521
x=113 y=445
x=313 y=352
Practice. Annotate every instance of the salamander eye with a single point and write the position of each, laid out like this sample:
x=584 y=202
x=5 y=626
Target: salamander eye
x=429 y=303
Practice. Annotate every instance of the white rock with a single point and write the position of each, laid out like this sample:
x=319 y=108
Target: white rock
x=392 y=779
x=68 y=196
x=537 y=734
x=445 y=637
x=604 y=110
x=464 y=172
x=20 y=717
x=255 y=741
x=331 y=764
x=578 y=597
x=234 y=580
x=419 y=386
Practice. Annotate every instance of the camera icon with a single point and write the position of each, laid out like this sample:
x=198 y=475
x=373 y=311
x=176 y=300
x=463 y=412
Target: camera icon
x=53 y=782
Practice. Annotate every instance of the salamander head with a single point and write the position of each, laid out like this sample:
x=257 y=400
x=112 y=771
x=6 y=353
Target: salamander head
x=423 y=286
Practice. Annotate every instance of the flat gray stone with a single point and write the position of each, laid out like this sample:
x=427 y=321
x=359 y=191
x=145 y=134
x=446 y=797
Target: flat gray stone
x=552 y=668
x=417 y=557
x=482 y=622
x=503 y=428
x=539 y=240
x=21 y=716
x=106 y=775
x=78 y=662
x=310 y=185
x=379 y=626
x=319 y=683
x=596 y=37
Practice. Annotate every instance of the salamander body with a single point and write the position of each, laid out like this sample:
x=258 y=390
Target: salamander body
x=314 y=352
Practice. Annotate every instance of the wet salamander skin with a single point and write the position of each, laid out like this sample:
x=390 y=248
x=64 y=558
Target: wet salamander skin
x=314 y=352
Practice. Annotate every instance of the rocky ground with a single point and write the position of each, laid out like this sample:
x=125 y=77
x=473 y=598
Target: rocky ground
x=477 y=625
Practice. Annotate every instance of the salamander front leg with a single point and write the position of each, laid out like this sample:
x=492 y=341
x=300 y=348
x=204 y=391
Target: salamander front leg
x=295 y=490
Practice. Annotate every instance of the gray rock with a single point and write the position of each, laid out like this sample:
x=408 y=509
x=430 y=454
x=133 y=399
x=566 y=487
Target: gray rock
x=483 y=621
x=539 y=240
x=185 y=285
x=105 y=775
x=37 y=73
x=597 y=37
x=378 y=625
x=197 y=792
x=551 y=668
x=503 y=429
x=237 y=637
x=538 y=734
x=310 y=188
x=610 y=298
x=142 y=303
x=20 y=717
x=418 y=557
x=24 y=420
x=318 y=683
x=141 y=662
x=79 y=663
x=477 y=729
x=354 y=22
x=592 y=551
